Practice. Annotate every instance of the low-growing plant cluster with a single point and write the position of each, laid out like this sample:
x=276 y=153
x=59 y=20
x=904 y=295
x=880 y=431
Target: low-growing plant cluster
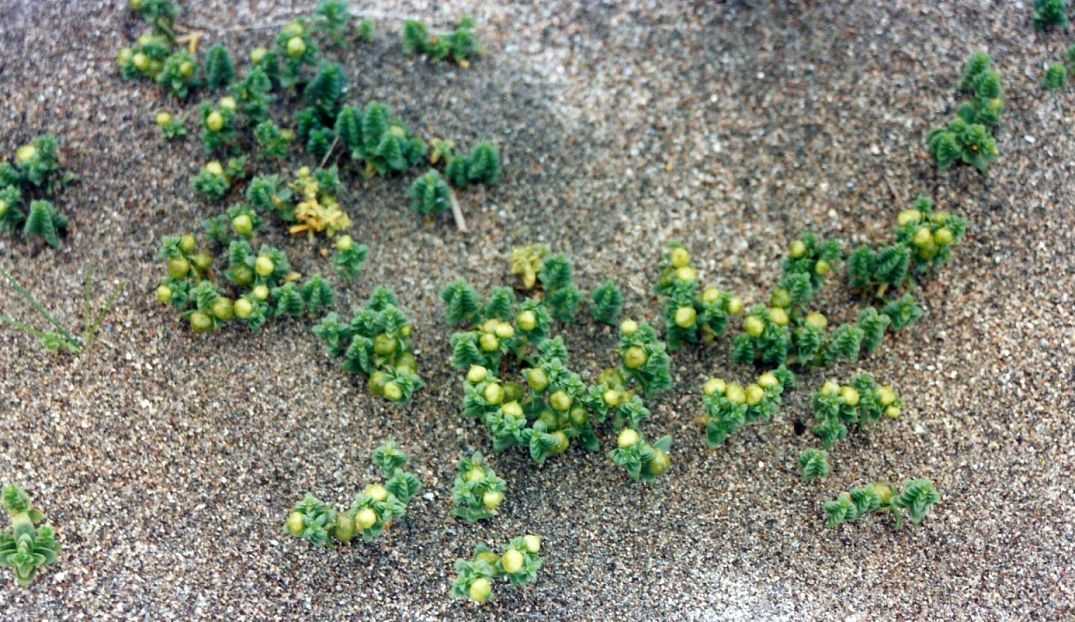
x=1058 y=74
x=729 y=406
x=373 y=510
x=27 y=545
x=458 y=46
x=28 y=186
x=519 y=564
x=257 y=285
x=969 y=138
x=375 y=343
x=1051 y=14
x=915 y=498
x=477 y=492
x=550 y=406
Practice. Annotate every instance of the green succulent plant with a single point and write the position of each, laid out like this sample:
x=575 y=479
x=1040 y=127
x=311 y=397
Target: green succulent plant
x=459 y=45
x=519 y=564
x=477 y=492
x=968 y=139
x=915 y=497
x=26 y=546
x=728 y=406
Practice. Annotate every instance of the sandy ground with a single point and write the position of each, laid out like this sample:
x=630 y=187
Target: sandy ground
x=168 y=462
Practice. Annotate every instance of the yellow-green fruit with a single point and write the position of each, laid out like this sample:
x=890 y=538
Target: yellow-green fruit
x=627 y=438
x=680 y=258
x=140 y=61
x=714 y=386
x=822 y=267
x=376 y=492
x=493 y=394
x=214 y=122
x=629 y=327
x=227 y=103
x=908 y=216
x=886 y=396
x=512 y=562
x=504 y=330
x=261 y=293
x=488 y=343
x=830 y=388
x=817 y=320
x=187 y=243
x=202 y=262
x=214 y=168
x=532 y=543
x=780 y=298
x=893 y=412
x=560 y=401
x=735 y=305
x=768 y=380
x=778 y=316
x=480 y=590
x=562 y=442
x=243 y=309
x=512 y=409
x=922 y=237
x=164 y=294
x=611 y=397
x=635 y=357
x=124 y=57
x=753 y=326
x=492 y=499
x=943 y=236
x=186 y=69
x=365 y=518
x=659 y=464
x=475 y=474
x=377 y=382
x=384 y=345
x=754 y=395
x=476 y=374
x=296 y=522
x=408 y=362
x=849 y=395
x=242 y=225
x=178 y=267
x=685 y=317
x=489 y=326
x=163 y=118
x=222 y=309
x=296 y=47
x=797 y=249
x=537 y=379
x=527 y=321
x=200 y=322
x=264 y=266
x=686 y=274
x=941 y=217
x=25 y=154
x=711 y=295
x=392 y=392
x=257 y=55
x=488 y=557
x=344 y=529
x=344 y=243
x=735 y=394
x=579 y=416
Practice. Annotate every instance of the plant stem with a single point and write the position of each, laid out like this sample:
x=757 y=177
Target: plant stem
x=37 y=307
x=457 y=213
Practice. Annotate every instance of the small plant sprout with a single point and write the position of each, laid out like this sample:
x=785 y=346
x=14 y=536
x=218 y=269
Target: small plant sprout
x=519 y=564
x=642 y=461
x=729 y=406
x=219 y=126
x=644 y=362
x=553 y=275
x=430 y=194
x=1051 y=14
x=690 y=314
x=372 y=511
x=178 y=75
x=860 y=404
x=212 y=182
x=1056 y=77
x=349 y=257
x=477 y=492
x=56 y=338
x=297 y=50
x=333 y=18
x=501 y=326
x=159 y=14
x=480 y=166
x=26 y=546
x=26 y=187
x=459 y=46
x=377 y=343
x=171 y=127
x=969 y=139
x=814 y=465
x=607 y=304
x=916 y=497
